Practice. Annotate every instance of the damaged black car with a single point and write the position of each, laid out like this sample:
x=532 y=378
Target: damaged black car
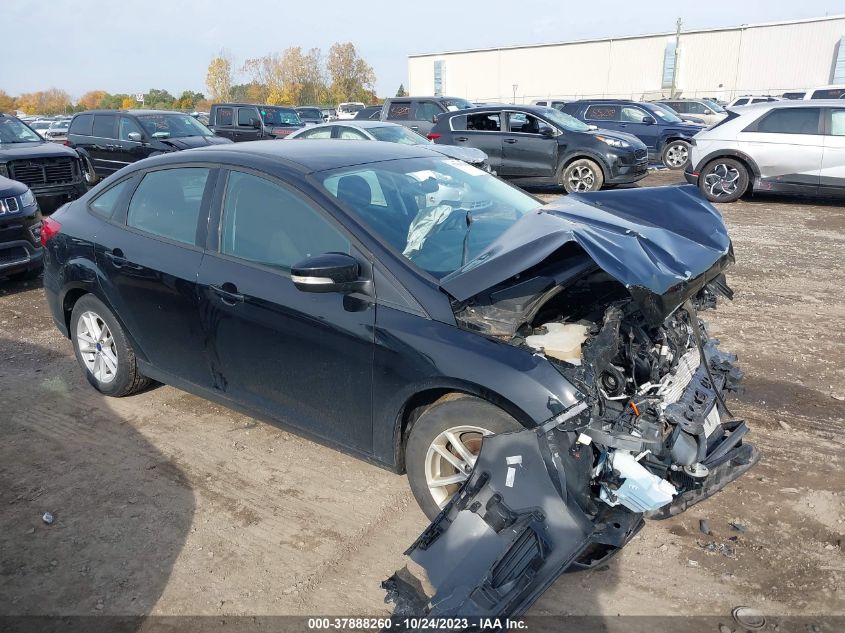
x=540 y=372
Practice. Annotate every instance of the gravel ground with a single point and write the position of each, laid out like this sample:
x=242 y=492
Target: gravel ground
x=167 y=504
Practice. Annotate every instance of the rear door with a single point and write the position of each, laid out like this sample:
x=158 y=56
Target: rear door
x=787 y=144
x=149 y=255
x=482 y=130
x=525 y=153
x=102 y=146
x=303 y=358
x=224 y=122
x=832 y=177
x=603 y=115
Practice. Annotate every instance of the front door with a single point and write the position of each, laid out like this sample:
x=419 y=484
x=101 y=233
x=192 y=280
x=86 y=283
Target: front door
x=150 y=267
x=303 y=358
x=525 y=153
x=631 y=121
x=833 y=160
x=127 y=150
x=249 y=125
x=424 y=113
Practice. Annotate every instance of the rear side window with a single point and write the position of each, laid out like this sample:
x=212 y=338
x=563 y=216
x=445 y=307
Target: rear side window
x=399 y=111
x=225 y=116
x=104 y=125
x=322 y=132
x=740 y=102
x=602 y=113
x=350 y=134
x=458 y=123
x=788 y=121
x=830 y=93
x=105 y=204
x=265 y=223
x=82 y=124
x=167 y=203
x=485 y=122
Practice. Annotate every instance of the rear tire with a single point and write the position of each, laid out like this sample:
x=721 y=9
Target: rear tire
x=723 y=180
x=676 y=154
x=454 y=425
x=102 y=349
x=581 y=175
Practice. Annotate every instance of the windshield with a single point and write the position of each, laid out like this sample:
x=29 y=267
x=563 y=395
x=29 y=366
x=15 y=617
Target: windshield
x=563 y=120
x=350 y=107
x=664 y=112
x=713 y=105
x=172 y=125
x=457 y=104
x=311 y=113
x=14 y=131
x=438 y=213
x=280 y=116
x=398 y=134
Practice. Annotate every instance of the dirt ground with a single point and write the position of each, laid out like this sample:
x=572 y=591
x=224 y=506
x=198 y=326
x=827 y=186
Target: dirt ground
x=167 y=504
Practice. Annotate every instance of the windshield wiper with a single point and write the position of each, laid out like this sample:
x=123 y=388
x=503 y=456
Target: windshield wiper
x=469 y=220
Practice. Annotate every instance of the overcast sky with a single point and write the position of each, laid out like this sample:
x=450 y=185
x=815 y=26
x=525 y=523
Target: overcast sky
x=125 y=46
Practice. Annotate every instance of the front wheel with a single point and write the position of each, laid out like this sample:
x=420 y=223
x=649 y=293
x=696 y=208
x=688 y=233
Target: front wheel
x=723 y=180
x=444 y=444
x=676 y=154
x=581 y=175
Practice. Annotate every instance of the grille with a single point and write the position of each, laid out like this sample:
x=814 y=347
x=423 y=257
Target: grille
x=14 y=254
x=8 y=205
x=641 y=154
x=48 y=171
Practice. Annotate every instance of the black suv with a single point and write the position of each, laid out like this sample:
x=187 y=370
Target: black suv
x=110 y=139
x=545 y=145
x=52 y=171
x=20 y=231
x=250 y=122
x=419 y=113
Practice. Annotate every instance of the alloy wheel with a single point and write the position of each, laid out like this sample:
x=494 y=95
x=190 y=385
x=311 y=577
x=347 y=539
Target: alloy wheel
x=722 y=181
x=581 y=178
x=450 y=459
x=96 y=346
x=677 y=155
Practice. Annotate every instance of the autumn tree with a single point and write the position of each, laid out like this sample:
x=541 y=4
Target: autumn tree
x=92 y=99
x=401 y=92
x=7 y=103
x=351 y=78
x=188 y=100
x=52 y=101
x=219 y=78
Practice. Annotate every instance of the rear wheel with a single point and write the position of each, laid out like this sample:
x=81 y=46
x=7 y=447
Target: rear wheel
x=723 y=180
x=444 y=444
x=581 y=175
x=676 y=154
x=102 y=349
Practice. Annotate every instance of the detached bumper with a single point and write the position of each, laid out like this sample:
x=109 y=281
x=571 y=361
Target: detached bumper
x=691 y=175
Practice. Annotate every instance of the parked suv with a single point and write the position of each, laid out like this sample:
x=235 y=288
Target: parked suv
x=20 y=231
x=110 y=139
x=666 y=136
x=786 y=146
x=418 y=113
x=544 y=144
x=708 y=111
x=240 y=122
x=52 y=171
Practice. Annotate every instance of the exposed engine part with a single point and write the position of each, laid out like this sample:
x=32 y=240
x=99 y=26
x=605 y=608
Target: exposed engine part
x=698 y=471
x=640 y=490
x=560 y=340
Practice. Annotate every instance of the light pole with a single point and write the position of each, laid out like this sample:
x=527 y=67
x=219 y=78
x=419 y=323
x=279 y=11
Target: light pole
x=515 y=86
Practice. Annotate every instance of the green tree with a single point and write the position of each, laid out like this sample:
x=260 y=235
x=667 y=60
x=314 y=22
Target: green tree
x=401 y=92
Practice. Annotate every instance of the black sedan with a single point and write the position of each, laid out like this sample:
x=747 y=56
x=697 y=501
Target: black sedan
x=403 y=306
x=543 y=145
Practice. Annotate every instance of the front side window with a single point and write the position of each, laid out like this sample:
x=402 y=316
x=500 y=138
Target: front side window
x=694 y=107
x=126 y=127
x=788 y=121
x=399 y=111
x=247 y=117
x=837 y=123
x=15 y=131
x=524 y=123
x=602 y=113
x=174 y=125
x=740 y=102
x=426 y=207
x=485 y=122
x=267 y=224
x=104 y=125
x=167 y=203
x=426 y=111
x=632 y=115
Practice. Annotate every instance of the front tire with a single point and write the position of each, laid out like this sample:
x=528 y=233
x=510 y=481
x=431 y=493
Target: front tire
x=676 y=154
x=723 y=180
x=581 y=175
x=102 y=349
x=444 y=443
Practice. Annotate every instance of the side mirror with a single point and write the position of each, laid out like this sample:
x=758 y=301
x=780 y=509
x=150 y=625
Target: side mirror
x=256 y=123
x=649 y=120
x=135 y=136
x=547 y=132
x=329 y=272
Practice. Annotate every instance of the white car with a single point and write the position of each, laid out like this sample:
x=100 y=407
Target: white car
x=781 y=146
x=57 y=131
x=40 y=126
x=751 y=99
x=833 y=91
x=708 y=111
x=347 y=110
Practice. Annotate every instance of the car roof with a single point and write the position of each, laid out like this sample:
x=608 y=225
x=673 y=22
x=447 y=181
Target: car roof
x=132 y=111
x=364 y=124
x=248 y=105
x=315 y=155
x=790 y=103
x=534 y=109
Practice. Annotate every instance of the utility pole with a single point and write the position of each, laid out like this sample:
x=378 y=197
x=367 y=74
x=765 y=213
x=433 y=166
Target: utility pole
x=515 y=86
x=678 y=25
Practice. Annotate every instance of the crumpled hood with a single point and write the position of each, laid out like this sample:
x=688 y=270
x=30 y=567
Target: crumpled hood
x=466 y=154
x=188 y=142
x=36 y=149
x=662 y=243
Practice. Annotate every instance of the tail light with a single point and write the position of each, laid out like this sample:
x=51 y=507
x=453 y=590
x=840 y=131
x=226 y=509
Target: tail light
x=66 y=143
x=433 y=136
x=49 y=229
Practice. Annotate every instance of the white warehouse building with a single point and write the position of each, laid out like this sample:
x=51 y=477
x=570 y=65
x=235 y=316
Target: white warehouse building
x=722 y=62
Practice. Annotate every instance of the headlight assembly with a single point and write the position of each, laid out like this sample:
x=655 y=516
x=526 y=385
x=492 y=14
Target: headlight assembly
x=613 y=142
x=28 y=199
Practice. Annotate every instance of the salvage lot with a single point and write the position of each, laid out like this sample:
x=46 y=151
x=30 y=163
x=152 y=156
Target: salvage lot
x=167 y=504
